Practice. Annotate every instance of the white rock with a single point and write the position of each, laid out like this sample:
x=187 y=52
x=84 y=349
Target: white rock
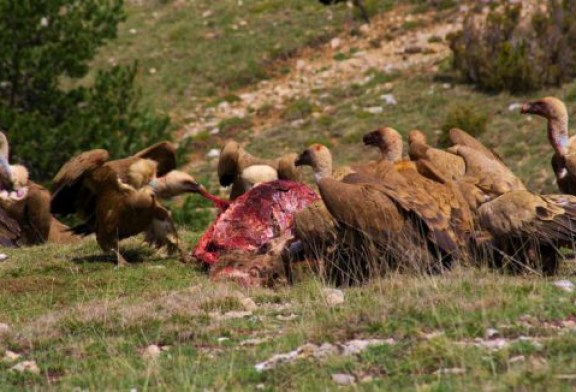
x=333 y=297
x=343 y=379
x=514 y=106
x=300 y=65
x=491 y=332
x=288 y=317
x=335 y=43
x=151 y=352
x=517 y=358
x=152 y=71
x=356 y=346
x=132 y=31
x=390 y=99
x=374 y=109
x=207 y=14
x=254 y=341
x=10 y=356
x=446 y=86
x=326 y=350
x=213 y=153
x=565 y=285
x=26 y=366
x=223 y=339
x=450 y=371
x=364 y=29
x=3 y=257
x=233 y=314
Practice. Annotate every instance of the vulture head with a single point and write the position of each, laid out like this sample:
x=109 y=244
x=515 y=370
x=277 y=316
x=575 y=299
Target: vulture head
x=554 y=110
x=549 y=107
x=319 y=158
x=417 y=136
x=175 y=183
x=388 y=140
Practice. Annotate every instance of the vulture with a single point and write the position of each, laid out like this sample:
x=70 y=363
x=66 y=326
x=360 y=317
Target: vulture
x=119 y=199
x=27 y=204
x=413 y=228
x=242 y=170
x=528 y=229
x=564 y=158
x=354 y=3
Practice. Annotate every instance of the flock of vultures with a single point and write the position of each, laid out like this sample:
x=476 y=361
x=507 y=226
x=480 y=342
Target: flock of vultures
x=424 y=211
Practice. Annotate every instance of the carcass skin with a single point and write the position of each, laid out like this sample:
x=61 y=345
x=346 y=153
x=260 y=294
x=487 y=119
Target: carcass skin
x=252 y=222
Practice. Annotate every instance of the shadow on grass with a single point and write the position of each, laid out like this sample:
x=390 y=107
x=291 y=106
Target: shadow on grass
x=132 y=256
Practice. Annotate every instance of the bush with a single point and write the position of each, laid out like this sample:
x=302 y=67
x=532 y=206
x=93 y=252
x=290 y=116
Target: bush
x=46 y=43
x=501 y=51
x=466 y=117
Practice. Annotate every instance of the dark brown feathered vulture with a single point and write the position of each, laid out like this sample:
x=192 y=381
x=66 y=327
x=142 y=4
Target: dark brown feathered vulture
x=391 y=210
x=528 y=229
x=119 y=199
x=564 y=158
x=242 y=170
x=354 y=3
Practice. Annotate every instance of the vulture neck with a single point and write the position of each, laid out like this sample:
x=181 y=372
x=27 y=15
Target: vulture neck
x=162 y=188
x=392 y=153
x=558 y=134
x=323 y=169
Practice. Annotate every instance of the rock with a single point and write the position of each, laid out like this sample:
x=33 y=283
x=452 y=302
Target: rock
x=254 y=341
x=288 y=317
x=300 y=65
x=26 y=366
x=374 y=109
x=215 y=131
x=233 y=314
x=213 y=153
x=3 y=257
x=207 y=14
x=450 y=371
x=492 y=333
x=248 y=304
x=364 y=29
x=151 y=353
x=335 y=43
x=152 y=71
x=222 y=339
x=326 y=350
x=565 y=285
x=343 y=379
x=356 y=346
x=389 y=99
x=333 y=297
x=517 y=358
x=132 y=31
x=10 y=356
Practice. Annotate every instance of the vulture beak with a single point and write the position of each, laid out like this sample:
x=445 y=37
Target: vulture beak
x=192 y=186
x=534 y=107
x=304 y=159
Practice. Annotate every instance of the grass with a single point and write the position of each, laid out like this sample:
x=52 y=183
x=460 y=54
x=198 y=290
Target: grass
x=87 y=324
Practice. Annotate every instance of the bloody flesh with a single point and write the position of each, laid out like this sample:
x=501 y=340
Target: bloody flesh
x=253 y=219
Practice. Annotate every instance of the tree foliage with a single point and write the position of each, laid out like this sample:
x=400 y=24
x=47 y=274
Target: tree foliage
x=47 y=44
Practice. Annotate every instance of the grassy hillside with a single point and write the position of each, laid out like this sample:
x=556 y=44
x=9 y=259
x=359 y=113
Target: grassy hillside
x=90 y=326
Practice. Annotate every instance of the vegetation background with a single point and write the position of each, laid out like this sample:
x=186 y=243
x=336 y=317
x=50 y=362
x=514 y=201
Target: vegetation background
x=276 y=76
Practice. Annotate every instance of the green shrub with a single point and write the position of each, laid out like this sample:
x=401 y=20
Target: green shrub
x=502 y=52
x=297 y=110
x=466 y=117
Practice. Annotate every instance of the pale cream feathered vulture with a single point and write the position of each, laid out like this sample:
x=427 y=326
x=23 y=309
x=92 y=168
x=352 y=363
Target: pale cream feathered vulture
x=241 y=170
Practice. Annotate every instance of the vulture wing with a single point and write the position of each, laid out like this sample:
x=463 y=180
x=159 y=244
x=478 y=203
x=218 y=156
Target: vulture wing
x=228 y=169
x=9 y=230
x=462 y=138
x=38 y=213
x=164 y=153
x=69 y=194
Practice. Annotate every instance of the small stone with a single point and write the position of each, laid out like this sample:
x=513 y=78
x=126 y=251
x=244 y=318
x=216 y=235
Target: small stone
x=223 y=339
x=214 y=131
x=374 y=110
x=356 y=346
x=288 y=317
x=326 y=350
x=565 y=285
x=132 y=31
x=300 y=65
x=446 y=86
x=26 y=366
x=213 y=153
x=10 y=356
x=389 y=99
x=366 y=379
x=364 y=29
x=335 y=43
x=333 y=296
x=248 y=304
x=207 y=14
x=233 y=314
x=343 y=379
x=492 y=333
x=254 y=341
x=151 y=352
x=152 y=71
x=3 y=257
x=517 y=358
x=450 y=371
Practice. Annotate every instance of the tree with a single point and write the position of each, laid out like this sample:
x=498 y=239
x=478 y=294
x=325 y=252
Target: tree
x=43 y=43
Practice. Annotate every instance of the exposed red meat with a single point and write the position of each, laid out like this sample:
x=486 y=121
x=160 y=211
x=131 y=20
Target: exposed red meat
x=253 y=220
